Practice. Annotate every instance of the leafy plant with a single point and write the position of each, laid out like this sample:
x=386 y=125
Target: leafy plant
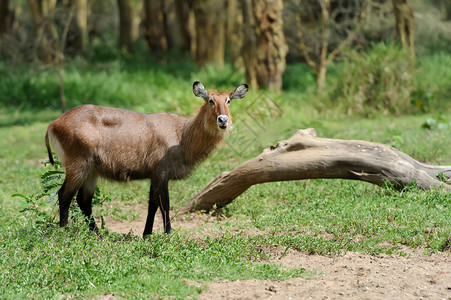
x=36 y=206
x=438 y=121
x=41 y=207
x=376 y=81
x=421 y=99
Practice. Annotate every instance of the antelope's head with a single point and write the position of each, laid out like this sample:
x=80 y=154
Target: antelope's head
x=218 y=104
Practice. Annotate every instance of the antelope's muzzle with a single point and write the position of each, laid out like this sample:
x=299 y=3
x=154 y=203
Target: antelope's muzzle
x=222 y=121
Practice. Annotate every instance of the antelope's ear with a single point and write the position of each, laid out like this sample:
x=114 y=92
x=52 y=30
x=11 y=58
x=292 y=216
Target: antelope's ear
x=239 y=92
x=199 y=90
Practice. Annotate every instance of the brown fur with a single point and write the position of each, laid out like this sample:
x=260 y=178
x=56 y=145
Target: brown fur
x=93 y=141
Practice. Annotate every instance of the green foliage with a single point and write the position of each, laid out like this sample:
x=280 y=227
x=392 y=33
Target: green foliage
x=438 y=121
x=299 y=77
x=36 y=206
x=433 y=33
x=376 y=81
x=130 y=82
x=432 y=81
x=41 y=208
x=421 y=99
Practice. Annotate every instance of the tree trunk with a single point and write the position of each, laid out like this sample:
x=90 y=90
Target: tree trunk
x=5 y=18
x=322 y=64
x=234 y=36
x=125 y=25
x=446 y=7
x=154 y=26
x=405 y=25
x=264 y=45
x=77 y=35
x=185 y=14
x=325 y=57
x=250 y=44
x=210 y=32
x=45 y=34
x=305 y=156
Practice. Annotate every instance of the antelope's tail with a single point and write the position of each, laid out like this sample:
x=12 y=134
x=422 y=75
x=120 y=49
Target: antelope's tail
x=49 y=151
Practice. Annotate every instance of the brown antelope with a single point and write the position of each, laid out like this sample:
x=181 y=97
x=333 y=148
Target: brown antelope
x=123 y=145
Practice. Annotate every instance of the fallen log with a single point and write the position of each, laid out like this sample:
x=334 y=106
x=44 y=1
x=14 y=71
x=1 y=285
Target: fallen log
x=306 y=156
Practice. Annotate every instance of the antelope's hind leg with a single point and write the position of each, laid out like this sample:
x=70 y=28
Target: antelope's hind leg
x=75 y=176
x=84 y=199
x=65 y=196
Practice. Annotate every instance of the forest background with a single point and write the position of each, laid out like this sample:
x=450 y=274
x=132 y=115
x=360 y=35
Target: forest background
x=377 y=70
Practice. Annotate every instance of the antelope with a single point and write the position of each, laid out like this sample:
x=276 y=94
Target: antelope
x=93 y=141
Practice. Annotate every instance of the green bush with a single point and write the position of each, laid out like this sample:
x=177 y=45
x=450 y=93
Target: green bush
x=378 y=81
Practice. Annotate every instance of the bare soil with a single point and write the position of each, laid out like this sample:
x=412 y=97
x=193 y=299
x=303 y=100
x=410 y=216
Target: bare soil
x=349 y=276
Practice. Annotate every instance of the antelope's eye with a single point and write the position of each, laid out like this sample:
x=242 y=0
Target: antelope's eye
x=228 y=101
x=211 y=101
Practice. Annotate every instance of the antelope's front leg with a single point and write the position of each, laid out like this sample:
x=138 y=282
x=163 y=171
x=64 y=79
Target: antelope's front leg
x=159 y=197
x=164 y=206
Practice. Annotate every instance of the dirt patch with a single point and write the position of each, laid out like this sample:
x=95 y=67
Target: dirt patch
x=350 y=276
x=197 y=224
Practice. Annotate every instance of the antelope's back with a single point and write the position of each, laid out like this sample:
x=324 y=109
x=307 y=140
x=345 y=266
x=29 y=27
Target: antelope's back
x=115 y=138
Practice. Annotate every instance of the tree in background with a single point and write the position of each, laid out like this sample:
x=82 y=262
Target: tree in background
x=45 y=33
x=325 y=55
x=185 y=14
x=210 y=31
x=154 y=25
x=5 y=18
x=234 y=39
x=49 y=43
x=253 y=34
x=405 y=25
x=77 y=34
x=264 y=46
x=127 y=25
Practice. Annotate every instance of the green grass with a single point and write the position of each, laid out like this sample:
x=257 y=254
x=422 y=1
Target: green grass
x=326 y=217
x=50 y=262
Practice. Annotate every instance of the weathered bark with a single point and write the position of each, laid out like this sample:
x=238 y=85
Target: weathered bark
x=306 y=156
x=210 y=32
x=264 y=45
x=154 y=26
x=125 y=25
x=405 y=25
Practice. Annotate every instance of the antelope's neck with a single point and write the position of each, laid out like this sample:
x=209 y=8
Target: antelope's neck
x=199 y=137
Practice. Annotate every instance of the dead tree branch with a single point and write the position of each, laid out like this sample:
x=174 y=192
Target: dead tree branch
x=306 y=156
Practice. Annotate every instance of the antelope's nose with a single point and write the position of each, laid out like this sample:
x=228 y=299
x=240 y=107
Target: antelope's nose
x=222 y=121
